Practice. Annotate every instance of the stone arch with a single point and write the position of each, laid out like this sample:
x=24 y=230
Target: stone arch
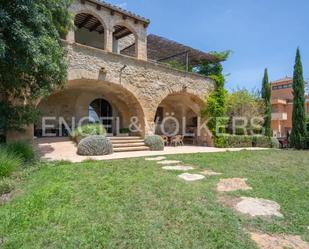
x=90 y=29
x=73 y=102
x=93 y=13
x=185 y=106
x=128 y=42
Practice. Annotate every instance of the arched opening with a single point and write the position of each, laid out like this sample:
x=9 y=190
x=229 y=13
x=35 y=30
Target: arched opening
x=124 y=41
x=86 y=101
x=89 y=31
x=178 y=114
x=101 y=111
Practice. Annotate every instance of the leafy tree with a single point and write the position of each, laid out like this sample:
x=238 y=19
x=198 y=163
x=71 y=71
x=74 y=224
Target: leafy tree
x=266 y=96
x=215 y=105
x=243 y=103
x=299 y=133
x=32 y=60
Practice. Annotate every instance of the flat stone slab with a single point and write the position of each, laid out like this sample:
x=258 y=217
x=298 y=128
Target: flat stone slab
x=159 y=158
x=208 y=172
x=265 y=241
x=232 y=184
x=191 y=177
x=258 y=207
x=178 y=167
x=165 y=162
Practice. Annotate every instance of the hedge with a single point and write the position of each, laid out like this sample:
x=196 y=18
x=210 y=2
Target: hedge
x=241 y=141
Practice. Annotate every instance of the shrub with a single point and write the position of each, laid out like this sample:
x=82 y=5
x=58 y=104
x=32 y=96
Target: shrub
x=262 y=141
x=88 y=130
x=154 y=142
x=6 y=186
x=124 y=130
x=8 y=163
x=241 y=141
x=275 y=143
x=22 y=149
x=95 y=145
x=221 y=142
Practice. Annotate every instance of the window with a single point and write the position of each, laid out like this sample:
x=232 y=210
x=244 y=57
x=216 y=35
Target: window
x=159 y=115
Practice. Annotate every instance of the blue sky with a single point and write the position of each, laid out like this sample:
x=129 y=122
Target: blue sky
x=261 y=33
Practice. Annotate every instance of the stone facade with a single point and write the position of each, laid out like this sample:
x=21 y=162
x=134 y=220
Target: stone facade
x=132 y=85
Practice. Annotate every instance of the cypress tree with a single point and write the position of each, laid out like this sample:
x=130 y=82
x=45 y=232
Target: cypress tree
x=298 y=134
x=266 y=96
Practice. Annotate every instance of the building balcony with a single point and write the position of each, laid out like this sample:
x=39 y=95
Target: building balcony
x=279 y=116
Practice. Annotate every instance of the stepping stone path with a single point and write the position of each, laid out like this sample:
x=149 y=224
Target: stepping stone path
x=159 y=158
x=178 y=167
x=191 y=177
x=165 y=162
x=5 y=198
x=232 y=184
x=265 y=241
x=258 y=207
x=210 y=173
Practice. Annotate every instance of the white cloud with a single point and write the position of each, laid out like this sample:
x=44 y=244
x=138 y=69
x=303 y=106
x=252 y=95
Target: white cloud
x=122 y=5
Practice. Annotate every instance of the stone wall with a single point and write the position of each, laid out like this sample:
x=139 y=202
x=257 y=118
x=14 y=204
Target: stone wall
x=150 y=83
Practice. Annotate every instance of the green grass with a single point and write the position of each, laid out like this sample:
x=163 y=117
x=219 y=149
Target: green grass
x=135 y=204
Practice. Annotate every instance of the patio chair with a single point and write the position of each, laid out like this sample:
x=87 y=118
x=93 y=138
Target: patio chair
x=177 y=140
x=165 y=140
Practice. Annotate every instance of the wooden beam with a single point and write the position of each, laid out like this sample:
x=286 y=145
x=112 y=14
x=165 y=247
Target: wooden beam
x=98 y=7
x=124 y=17
x=83 y=1
x=112 y=12
x=124 y=34
x=84 y=22
x=97 y=24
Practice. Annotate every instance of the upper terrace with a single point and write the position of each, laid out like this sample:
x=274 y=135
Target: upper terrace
x=107 y=27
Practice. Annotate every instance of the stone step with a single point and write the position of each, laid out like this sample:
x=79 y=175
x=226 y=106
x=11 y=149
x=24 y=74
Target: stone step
x=125 y=138
x=127 y=141
x=121 y=145
x=127 y=149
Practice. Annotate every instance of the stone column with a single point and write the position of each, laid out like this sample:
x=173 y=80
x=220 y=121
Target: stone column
x=108 y=40
x=141 y=48
x=71 y=36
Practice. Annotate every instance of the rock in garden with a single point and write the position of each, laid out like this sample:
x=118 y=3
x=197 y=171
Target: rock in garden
x=191 y=177
x=258 y=207
x=159 y=158
x=210 y=173
x=265 y=241
x=178 y=167
x=95 y=146
x=232 y=184
x=165 y=162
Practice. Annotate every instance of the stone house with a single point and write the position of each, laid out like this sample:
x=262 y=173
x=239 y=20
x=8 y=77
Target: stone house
x=115 y=71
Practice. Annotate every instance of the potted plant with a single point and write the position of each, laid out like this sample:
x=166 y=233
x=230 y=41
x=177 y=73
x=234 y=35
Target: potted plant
x=125 y=132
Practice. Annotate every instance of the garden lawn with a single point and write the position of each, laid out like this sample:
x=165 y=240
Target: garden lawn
x=134 y=203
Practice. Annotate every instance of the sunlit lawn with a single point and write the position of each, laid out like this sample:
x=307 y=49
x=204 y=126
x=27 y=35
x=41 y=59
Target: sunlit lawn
x=135 y=204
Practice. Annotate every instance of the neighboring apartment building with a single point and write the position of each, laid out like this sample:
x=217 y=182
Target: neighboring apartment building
x=114 y=71
x=282 y=106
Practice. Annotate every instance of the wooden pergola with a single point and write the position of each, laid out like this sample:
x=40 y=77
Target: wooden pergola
x=161 y=49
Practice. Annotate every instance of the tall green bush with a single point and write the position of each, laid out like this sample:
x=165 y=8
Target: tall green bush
x=266 y=96
x=298 y=135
